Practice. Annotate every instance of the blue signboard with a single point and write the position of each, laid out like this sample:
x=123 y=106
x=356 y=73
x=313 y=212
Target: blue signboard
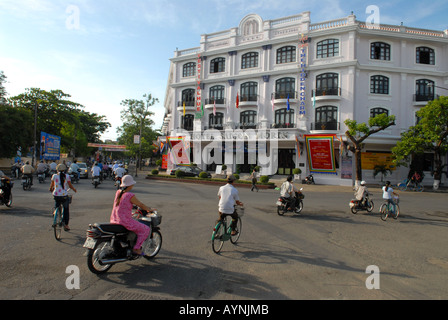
x=50 y=146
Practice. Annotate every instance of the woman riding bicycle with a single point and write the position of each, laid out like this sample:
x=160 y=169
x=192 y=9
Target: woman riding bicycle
x=388 y=193
x=60 y=184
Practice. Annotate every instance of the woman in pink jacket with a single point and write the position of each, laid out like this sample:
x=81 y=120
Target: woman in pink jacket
x=122 y=212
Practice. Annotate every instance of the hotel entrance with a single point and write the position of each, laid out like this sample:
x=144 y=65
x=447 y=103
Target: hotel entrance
x=286 y=162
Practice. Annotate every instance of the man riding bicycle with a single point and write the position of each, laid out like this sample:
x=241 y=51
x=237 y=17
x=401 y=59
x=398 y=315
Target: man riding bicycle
x=228 y=197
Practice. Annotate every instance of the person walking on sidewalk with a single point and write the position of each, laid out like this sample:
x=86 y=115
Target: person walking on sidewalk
x=253 y=176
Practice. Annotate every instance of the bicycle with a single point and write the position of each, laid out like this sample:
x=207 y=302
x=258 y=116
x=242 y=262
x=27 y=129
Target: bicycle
x=411 y=185
x=223 y=230
x=387 y=208
x=58 y=217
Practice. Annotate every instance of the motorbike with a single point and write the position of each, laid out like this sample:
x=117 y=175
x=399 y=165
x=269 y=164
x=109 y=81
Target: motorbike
x=310 y=179
x=41 y=177
x=360 y=205
x=26 y=182
x=74 y=177
x=117 y=182
x=3 y=185
x=283 y=204
x=96 y=181
x=108 y=244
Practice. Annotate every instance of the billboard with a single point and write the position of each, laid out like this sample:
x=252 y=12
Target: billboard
x=320 y=150
x=50 y=146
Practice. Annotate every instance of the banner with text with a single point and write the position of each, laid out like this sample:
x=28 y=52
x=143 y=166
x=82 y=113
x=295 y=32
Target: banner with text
x=320 y=150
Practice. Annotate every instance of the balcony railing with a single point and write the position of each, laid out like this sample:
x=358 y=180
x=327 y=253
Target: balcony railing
x=248 y=98
x=283 y=125
x=284 y=95
x=322 y=126
x=326 y=92
x=425 y=96
x=215 y=101
x=189 y=103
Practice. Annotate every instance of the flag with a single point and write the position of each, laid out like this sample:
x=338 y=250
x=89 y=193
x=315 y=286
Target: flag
x=272 y=102
x=237 y=104
x=214 y=107
x=297 y=147
x=184 y=108
x=287 y=103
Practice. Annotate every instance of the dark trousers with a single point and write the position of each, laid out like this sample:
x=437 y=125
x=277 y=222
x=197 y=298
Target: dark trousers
x=65 y=204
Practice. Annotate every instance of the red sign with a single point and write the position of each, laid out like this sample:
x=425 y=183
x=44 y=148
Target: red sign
x=320 y=153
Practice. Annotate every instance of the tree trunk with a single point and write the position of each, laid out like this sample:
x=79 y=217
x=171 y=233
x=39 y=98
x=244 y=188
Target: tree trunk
x=358 y=165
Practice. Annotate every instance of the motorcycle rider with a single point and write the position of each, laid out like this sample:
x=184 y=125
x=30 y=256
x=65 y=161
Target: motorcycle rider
x=74 y=168
x=287 y=190
x=122 y=212
x=96 y=171
x=361 y=193
x=228 y=197
x=28 y=170
x=5 y=186
x=60 y=184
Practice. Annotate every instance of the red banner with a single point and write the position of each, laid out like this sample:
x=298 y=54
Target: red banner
x=320 y=150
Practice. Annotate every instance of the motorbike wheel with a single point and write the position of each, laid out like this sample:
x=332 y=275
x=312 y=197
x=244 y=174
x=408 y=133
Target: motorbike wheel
x=354 y=210
x=281 y=210
x=299 y=208
x=152 y=246
x=101 y=250
x=370 y=206
x=9 y=203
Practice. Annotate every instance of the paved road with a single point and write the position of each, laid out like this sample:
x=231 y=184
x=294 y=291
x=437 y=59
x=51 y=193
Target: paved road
x=321 y=254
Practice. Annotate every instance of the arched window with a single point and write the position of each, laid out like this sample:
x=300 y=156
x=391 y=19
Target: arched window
x=284 y=118
x=189 y=70
x=376 y=111
x=249 y=60
x=216 y=94
x=216 y=121
x=285 y=87
x=380 y=51
x=327 y=48
x=249 y=91
x=379 y=84
x=218 y=65
x=425 y=55
x=187 y=122
x=188 y=96
x=424 y=90
x=326 y=118
x=327 y=84
x=286 y=54
x=248 y=119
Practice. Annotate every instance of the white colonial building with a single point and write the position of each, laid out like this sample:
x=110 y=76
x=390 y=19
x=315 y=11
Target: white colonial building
x=294 y=78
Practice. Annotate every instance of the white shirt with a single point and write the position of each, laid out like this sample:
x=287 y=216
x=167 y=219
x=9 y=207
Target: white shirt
x=229 y=196
x=286 y=189
x=60 y=190
x=120 y=171
x=96 y=171
x=387 y=194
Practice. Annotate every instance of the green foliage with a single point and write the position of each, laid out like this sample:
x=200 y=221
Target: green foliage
x=155 y=172
x=264 y=179
x=297 y=171
x=203 y=175
x=236 y=175
x=15 y=130
x=179 y=174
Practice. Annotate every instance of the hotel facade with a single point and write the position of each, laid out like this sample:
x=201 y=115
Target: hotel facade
x=287 y=83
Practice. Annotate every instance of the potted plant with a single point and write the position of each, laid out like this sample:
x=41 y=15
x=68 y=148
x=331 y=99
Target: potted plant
x=297 y=172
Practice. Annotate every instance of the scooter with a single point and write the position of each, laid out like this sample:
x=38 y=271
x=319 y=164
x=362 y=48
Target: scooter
x=310 y=179
x=96 y=181
x=108 y=244
x=26 y=182
x=360 y=205
x=283 y=204
x=41 y=177
x=74 y=177
x=3 y=200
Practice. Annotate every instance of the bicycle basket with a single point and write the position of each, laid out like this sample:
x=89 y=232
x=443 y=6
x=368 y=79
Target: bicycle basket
x=156 y=219
x=239 y=210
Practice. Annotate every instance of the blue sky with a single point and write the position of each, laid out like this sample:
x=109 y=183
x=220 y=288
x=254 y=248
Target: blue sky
x=104 y=51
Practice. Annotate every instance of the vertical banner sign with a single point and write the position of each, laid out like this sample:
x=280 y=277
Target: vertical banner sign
x=320 y=150
x=179 y=151
x=50 y=146
x=303 y=50
x=199 y=112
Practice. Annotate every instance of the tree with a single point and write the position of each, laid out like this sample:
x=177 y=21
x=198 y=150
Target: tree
x=16 y=130
x=3 y=92
x=359 y=132
x=136 y=117
x=430 y=134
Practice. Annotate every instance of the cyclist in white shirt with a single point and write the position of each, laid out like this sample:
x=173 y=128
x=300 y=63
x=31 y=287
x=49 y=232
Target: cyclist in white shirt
x=228 y=197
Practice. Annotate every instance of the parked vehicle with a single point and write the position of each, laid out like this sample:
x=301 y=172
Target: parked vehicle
x=283 y=204
x=189 y=171
x=108 y=244
x=310 y=179
x=360 y=205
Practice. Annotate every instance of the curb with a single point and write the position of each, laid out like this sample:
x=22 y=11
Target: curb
x=236 y=184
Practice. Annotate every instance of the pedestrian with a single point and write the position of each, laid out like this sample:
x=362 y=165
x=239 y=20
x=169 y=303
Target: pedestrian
x=253 y=176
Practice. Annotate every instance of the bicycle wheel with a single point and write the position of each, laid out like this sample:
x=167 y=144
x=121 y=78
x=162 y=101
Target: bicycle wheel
x=384 y=210
x=217 y=237
x=397 y=208
x=419 y=188
x=57 y=223
x=238 y=229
